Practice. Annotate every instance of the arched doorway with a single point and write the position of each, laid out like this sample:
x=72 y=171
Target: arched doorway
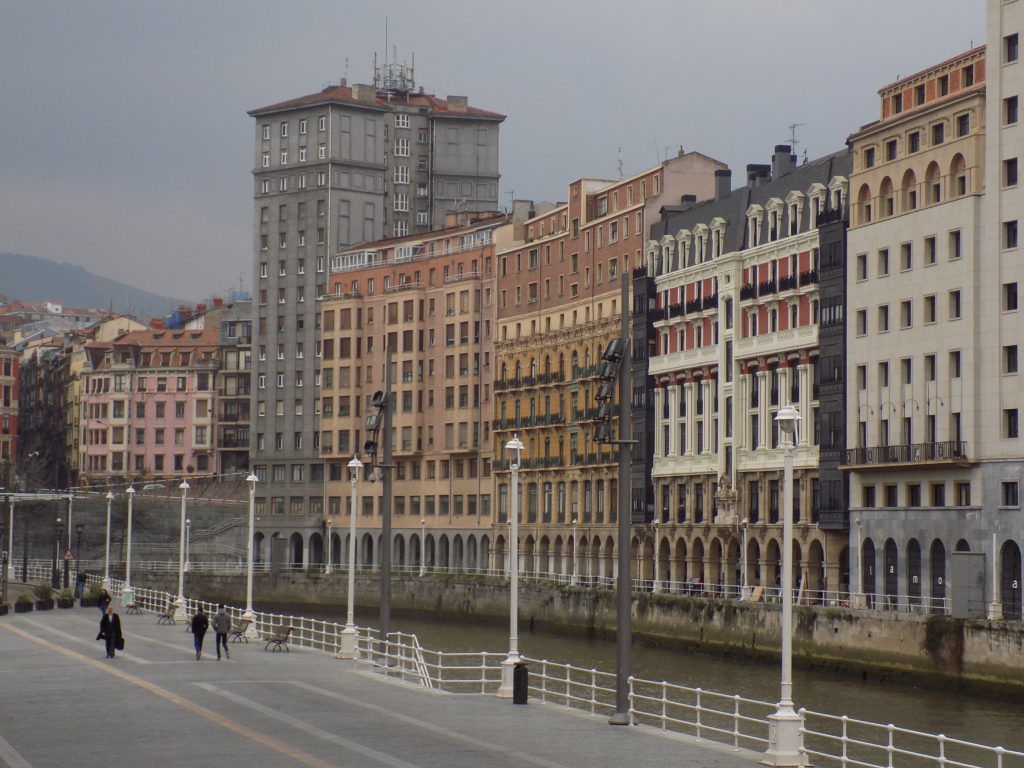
x=295 y=551
x=258 y=556
x=471 y=557
x=398 y=552
x=892 y=574
x=485 y=549
x=867 y=572
x=316 y=549
x=815 y=573
x=914 y=572
x=367 y=550
x=443 y=552
x=458 y=554
x=499 y=563
x=430 y=551
x=1011 y=572
x=938 y=577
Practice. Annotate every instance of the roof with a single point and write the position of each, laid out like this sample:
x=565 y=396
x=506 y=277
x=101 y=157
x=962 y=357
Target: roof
x=209 y=337
x=343 y=94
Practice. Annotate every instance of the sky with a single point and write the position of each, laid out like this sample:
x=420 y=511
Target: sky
x=127 y=149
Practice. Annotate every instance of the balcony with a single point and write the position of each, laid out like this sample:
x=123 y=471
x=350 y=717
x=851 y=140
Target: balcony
x=949 y=453
x=233 y=442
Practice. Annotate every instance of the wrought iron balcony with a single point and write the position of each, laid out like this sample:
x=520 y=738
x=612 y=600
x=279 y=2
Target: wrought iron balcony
x=913 y=453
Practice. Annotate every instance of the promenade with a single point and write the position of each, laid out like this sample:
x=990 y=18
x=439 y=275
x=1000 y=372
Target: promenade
x=62 y=703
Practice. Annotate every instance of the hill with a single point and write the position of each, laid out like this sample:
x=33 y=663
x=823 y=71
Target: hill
x=30 y=278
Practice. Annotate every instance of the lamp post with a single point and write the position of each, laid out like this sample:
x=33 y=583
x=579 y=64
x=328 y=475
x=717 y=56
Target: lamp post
x=744 y=586
x=10 y=532
x=574 y=579
x=857 y=588
x=249 y=614
x=56 y=551
x=423 y=545
x=515 y=449
x=995 y=607
x=785 y=742
x=188 y=539
x=348 y=634
x=106 y=548
x=327 y=567
x=128 y=596
x=656 y=587
x=179 y=603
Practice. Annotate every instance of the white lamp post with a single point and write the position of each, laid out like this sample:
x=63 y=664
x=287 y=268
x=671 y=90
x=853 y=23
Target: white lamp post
x=744 y=586
x=250 y=615
x=656 y=587
x=327 y=567
x=188 y=540
x=128 y=596
x=995 y=607
x=348 y=634
x=106 y=551
x=423 y=545
x=785 y=742
x=515 y=449
x=179 y=603
x=857 y=588
x=10 y=534
x=574 y=579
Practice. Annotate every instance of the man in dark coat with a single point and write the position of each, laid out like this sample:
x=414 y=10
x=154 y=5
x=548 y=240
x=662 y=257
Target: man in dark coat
x=110 y=630
x=222 y=625
x=200 y=623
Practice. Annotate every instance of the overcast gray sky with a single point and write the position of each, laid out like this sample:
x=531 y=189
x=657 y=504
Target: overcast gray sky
x=127 y=148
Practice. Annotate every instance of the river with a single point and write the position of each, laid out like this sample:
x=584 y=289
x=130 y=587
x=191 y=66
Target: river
x=961 y=715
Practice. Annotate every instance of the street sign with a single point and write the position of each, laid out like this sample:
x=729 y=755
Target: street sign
x=69 y=555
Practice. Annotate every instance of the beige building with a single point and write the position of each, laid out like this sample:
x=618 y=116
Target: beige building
x=431 y=297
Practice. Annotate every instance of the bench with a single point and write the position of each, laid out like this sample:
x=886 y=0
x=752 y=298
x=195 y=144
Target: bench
x=167 y=617
x=237 y=633
x=279 y=639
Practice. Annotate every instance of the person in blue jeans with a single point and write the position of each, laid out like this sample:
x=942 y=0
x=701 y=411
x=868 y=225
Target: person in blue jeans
x=200 y=623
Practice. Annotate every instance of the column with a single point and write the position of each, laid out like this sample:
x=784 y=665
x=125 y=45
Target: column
x=691 y=404
x=673 y=420
x=709 y=407
x=763 y=427
x=806 y=426
x=659 y=405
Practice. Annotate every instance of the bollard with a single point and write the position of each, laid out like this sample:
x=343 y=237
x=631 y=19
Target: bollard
x=520 y=683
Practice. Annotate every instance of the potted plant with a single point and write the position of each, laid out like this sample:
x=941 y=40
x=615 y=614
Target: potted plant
x=5 y=608
x=91 y=598
x=65 y=599
x=44 y=597
x=24 y=603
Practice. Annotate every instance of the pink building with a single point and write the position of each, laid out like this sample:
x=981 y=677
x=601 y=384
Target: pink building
x=148 y=405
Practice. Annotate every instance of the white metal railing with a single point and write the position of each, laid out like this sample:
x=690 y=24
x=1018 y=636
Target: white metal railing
x=731 y=719
x=846 y=741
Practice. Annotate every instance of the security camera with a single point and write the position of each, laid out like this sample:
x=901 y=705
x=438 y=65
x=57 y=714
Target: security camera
x=374 y=477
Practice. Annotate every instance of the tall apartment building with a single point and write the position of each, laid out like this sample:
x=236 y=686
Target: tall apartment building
x=917 y=423
x=733 y=337
x=559 y=304
x=347 y=165
x=234 y=391
x=432 y=299
x=148 y=401
x=9 y=364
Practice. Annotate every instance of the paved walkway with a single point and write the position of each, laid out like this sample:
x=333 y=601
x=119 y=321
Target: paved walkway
x=62 y=703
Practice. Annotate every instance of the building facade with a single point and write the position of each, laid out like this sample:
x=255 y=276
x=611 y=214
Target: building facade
x=234 y=391
x=148 y=404
x=734 y=337
x=9 y=388
x=350 y=164
x=559 y=304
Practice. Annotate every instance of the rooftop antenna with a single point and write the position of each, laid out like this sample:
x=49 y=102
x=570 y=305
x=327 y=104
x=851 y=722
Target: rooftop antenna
x=792 y=135
x=620 y=162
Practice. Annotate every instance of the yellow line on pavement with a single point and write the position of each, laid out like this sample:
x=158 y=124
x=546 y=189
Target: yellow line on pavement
x=214 y=717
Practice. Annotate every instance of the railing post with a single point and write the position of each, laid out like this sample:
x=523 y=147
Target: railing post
x=698 y=709
x=890 y=748
x=736 y=721
x=845 y=741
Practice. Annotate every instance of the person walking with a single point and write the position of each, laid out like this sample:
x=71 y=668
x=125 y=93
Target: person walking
x=110 y=630
x=222 y=625
x=200 y=623
x=104 y=601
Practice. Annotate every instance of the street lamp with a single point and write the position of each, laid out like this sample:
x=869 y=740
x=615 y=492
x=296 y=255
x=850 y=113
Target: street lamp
x=188 y=539
x=656 y=587
x=857 y=589
x=785 y=742
x=250 y=615
x=128 y=596
x=348 y=634
x=10 y=532
x=423 y=545
x=179 y=603
x=106 y=549
x=574 y=579
x=744 y=587
x=56 y=551
x=515 y=449
x=327 y=568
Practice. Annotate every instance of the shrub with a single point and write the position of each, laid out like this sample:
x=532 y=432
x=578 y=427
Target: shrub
x=23 y=598
x=94 y=591
x=43 y=592
x=65 y=594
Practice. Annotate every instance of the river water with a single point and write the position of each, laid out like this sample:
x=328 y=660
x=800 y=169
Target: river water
x=960 y=715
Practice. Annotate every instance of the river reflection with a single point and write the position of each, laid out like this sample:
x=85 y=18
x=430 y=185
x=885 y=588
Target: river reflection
x=965 y=716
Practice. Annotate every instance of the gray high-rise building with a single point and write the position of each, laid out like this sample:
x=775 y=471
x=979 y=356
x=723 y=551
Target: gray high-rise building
x=349 y=164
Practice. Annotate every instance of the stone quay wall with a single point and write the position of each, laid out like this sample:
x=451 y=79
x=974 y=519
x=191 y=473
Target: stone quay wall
x=914 y=648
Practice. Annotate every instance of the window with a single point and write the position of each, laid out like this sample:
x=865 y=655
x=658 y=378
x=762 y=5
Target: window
x=302 y=126
x=897 y=103
x=883 y=318
x=1010 y=172
x=1009 y=296
x=929 y=367
x=963 y=124
x=402 y=147
x=919 y=94
x=1010 y=358
x=869 y=157
x=1011 y=48
x=1010 y=234
x=1011 y=492
x=967 y=75
x=906 y=256
x=954 y=364
x=266 y=132
x=944 y=85
x=929 y=250
x=938 y=133
x=266 y=159
x=914 y=142
x=929 y=309
x=883 y=262
x=1010 y=110
x=890 y=149
x=954 y=244
x=906 y=314
x=883 y=374
x=862 y=322
x=862 y=266
x=1011 y=427
x=322 y=123
x=954 y=305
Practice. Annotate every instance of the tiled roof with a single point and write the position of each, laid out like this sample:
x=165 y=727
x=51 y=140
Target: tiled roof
x=343 y=93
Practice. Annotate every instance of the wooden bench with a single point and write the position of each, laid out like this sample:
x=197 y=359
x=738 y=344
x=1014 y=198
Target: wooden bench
x=279 y=639
x=167 y=617
x=237 y=633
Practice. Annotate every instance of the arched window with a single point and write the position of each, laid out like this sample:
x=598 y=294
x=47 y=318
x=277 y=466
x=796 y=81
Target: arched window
x=864 y=204
x=958 y=175
x=885 y=198
x=933 y=183
x=909 y=190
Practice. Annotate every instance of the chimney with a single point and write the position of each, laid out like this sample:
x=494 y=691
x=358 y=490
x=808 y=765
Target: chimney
x=218 y=302
x=200 y=308
x=783 y=160
x=757 y=174
x=364 y=94
x=723 y=183
x=687 y=202
x=343 y=82
x=458 y=103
